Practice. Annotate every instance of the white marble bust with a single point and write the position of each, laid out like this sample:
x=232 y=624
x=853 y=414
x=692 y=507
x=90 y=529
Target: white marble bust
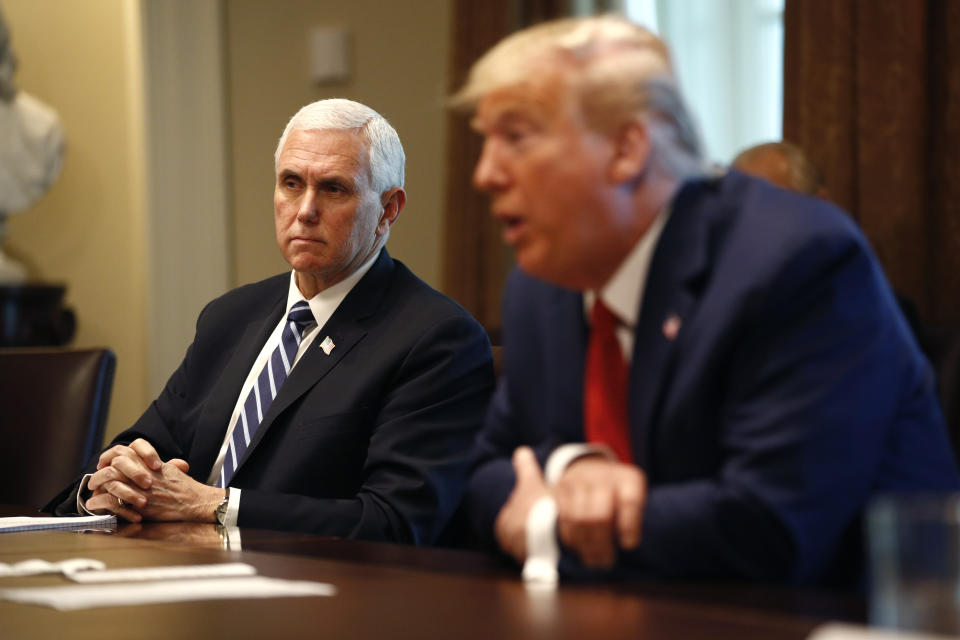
x=31 y=150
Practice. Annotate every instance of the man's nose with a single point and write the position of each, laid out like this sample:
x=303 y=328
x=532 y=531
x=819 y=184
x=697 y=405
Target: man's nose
x=489 y=174
x=309 y=211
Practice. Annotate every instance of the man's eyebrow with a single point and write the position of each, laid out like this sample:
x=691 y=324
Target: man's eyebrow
x=507 y=117
x=336 y=181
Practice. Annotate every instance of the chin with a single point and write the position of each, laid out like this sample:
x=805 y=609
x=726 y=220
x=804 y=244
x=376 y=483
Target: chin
x=533 y=266
x=305 y=266
x=566 y=276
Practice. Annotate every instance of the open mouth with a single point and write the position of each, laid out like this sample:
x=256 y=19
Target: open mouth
x=513 y=226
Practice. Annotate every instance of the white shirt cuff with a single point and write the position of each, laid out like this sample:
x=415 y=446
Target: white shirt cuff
x=233 y=510
x=81 y=506
x=543 y=552
x=561 y=457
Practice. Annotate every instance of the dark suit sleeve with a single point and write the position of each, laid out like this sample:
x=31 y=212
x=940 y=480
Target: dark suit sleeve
x=420 y=445
x=492 y=479
x=517 y=414
x=817 y=397
x=159 y=425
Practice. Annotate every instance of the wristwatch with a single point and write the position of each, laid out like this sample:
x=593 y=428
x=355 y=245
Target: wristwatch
x=220 y=513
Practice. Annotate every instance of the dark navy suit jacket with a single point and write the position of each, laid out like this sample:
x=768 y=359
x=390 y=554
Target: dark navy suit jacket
x=371 y=441
x=792 y=392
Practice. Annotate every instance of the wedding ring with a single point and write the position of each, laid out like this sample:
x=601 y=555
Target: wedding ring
x=121 y=503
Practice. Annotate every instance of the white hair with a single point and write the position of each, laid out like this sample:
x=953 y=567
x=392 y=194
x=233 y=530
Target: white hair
x=386 y=155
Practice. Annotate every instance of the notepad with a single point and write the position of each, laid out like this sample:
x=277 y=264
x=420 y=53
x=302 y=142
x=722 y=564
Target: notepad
x=20 y=523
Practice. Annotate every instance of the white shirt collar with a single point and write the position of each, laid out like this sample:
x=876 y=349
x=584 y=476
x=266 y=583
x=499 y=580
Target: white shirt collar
x=624 y=290
x=326 y=302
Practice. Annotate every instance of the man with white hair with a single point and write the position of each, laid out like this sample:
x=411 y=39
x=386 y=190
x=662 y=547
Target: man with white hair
x=340 y=398
x=704 y=375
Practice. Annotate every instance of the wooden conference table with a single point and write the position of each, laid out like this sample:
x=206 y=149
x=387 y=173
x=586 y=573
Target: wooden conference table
x=392 y=591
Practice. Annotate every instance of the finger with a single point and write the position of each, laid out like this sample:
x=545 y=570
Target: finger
x=103 y=476
x=512 y=539
x=128 y=514
x=630 y=500
x=526 y=467
x=586 y=525
x=103 y=503
x=107 y=456
x=147 y=453
x=596 y=531
x=179 y=463
x=134 y=471
x=599 y=557
x=111 y=482
x=126 y=493
x=597 y=549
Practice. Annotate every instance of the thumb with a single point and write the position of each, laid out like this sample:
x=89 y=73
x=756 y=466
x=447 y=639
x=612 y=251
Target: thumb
x=526 y=467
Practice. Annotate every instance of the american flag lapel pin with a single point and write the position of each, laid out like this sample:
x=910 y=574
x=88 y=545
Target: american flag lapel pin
x=671 y=326
x=327 y=345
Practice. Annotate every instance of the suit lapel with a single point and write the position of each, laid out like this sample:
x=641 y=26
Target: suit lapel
x=677 y=271
x=344 y=329
x=223 y=397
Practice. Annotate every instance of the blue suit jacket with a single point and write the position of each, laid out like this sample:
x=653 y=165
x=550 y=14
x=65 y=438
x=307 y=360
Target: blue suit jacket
x=371 y=441
x=792 y=393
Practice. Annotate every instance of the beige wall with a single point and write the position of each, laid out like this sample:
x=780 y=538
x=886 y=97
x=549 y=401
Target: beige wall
x=79 y=57
x=400 y=52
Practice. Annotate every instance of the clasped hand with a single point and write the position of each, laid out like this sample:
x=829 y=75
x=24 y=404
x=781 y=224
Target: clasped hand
x=148 y=487
x=599 y=507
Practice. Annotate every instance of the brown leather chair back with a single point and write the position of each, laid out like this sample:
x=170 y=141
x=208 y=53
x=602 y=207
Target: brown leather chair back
x=53 y=407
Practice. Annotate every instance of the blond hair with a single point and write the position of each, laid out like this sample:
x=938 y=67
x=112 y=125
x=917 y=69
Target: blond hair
x=620 y=71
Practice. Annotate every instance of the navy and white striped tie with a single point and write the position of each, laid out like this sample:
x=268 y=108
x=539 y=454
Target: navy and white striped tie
x=268 y=383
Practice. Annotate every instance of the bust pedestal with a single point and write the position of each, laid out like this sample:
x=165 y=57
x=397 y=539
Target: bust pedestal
x=33 y=315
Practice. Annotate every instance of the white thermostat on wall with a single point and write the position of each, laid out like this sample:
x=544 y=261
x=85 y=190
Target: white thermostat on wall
x=329 y=54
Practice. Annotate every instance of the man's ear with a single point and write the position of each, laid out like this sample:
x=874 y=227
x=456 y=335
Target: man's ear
x=392 y=202
x=631 y=153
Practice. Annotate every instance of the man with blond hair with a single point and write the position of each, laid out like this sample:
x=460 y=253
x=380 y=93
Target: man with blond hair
x=339 y=398
x=704 y=375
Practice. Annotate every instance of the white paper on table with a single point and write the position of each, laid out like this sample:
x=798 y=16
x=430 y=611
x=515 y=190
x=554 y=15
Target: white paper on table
x=838 y=631
x=23 y=523
x=38 y=566
x=142 y=574
x=116 y=595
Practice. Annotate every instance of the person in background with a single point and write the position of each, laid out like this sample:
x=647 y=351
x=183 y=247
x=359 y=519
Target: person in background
x=784 y=164
x=340 y=398
x=705 y=376
x=787 y=166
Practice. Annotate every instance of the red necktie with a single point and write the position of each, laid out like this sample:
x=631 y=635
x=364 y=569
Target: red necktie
x=605 y=386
